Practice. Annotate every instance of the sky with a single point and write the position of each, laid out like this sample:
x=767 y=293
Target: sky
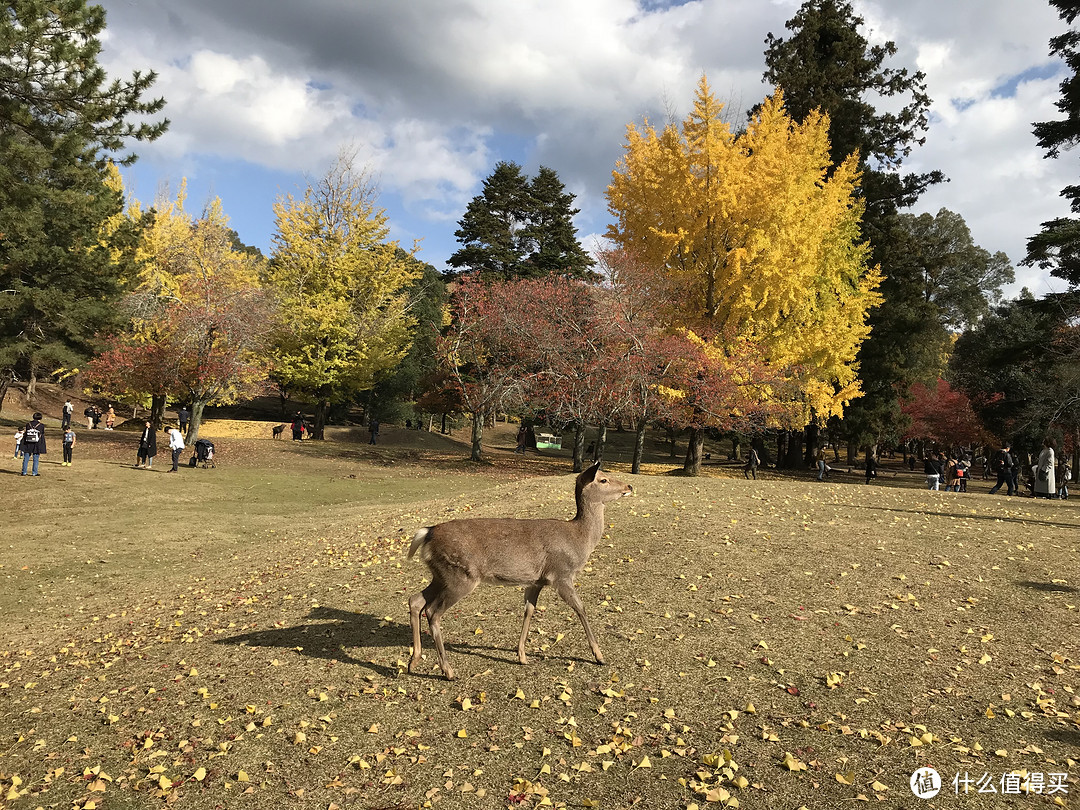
x=263 y=95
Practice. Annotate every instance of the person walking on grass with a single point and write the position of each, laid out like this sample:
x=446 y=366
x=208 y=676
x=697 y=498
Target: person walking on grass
x=182 y=416
x=871 y=466
x=373 y=429
x=69 y=409
x=33 y=443
x=69 y=445
x=933 y=466
x=110 y=417
x=753 y=461
x=18 y=442
x=1003 y=465
x=298 y=427
x=176 y=445
x=147 y=447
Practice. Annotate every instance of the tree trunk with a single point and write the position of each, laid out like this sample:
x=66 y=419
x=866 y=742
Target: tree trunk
x=794 y=458
x=671 y=440
x=601 y=440
x=579 y=447
x=736 y=447
x=196 y=420
x=157 y=411
x=444 y=430
x=781 y=447
x=852 y=453
x=692 y=464
x=639 y=447
x=5 y=383
x=322 y=407
x=812 y=437
x=31 y=387
x=1075 y=460
x=477 y=453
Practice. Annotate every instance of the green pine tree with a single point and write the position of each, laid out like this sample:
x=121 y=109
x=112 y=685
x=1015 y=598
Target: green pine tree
x=1057 y=246
x=518 y=227
x=62 y=246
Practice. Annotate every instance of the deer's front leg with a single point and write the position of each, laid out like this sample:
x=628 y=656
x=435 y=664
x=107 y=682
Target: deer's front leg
x=570 y=595
x=532 y=593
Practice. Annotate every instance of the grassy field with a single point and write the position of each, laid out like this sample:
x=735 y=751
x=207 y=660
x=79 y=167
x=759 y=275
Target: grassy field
x=237 y=637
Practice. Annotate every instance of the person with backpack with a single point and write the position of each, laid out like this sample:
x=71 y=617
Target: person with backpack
x=33 y=443
x=69 y=409
x=69 y=445
x=1003 y=465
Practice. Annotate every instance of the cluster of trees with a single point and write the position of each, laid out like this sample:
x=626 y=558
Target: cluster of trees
x=761 y=278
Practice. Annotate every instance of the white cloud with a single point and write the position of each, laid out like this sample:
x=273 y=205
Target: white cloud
x=431 y=91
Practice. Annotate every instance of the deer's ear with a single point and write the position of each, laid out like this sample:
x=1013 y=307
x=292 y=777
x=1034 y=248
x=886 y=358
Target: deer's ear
x=589 y=474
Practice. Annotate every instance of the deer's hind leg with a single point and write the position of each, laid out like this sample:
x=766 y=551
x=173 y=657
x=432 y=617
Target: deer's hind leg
x=532 y=593
x=438 y=597
x=569 y=595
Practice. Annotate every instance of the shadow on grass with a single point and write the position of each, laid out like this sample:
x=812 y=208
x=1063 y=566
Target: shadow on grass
x=1024 y=521
x=329 y=633
x=1065 y=735
x=1049 y=587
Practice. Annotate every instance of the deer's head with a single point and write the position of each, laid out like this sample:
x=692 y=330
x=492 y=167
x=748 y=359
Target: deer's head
x=594 y=485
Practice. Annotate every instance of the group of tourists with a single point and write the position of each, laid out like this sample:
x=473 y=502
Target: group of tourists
x=1048 y=477
x=30 y=439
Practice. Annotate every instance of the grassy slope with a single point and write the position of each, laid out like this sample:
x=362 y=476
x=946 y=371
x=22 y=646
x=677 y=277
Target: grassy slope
x=252 y=619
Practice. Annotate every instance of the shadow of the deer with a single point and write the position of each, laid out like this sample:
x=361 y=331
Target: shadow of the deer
x=329 y=632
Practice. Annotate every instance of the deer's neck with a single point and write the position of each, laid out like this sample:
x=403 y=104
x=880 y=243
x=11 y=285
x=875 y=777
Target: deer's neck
x=590 y=517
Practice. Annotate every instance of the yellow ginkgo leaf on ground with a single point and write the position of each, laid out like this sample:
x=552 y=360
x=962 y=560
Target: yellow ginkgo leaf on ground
x=645 y=763
x=793 y=764
x=846 y=778
x=878 y=787
x=199 y=775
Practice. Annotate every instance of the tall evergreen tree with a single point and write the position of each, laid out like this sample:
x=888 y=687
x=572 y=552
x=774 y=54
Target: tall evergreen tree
x=1057 y=246
x=555 y=249
x=61 y=123
x=827 y=64
x=518 y=227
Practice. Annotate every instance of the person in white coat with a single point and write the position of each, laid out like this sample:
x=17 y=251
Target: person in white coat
x=1045 y=483
x=176 y=445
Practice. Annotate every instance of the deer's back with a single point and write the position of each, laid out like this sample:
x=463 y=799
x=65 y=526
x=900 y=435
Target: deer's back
x=506 y=551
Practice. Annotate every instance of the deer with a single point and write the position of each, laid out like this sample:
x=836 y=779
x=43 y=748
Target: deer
x=460 y=554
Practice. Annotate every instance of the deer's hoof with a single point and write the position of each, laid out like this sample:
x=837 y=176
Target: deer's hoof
x=449 y=673
x=522 y=659
x=600 y=659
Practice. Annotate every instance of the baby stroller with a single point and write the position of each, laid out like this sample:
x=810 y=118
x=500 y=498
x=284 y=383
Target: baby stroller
x=204 y=454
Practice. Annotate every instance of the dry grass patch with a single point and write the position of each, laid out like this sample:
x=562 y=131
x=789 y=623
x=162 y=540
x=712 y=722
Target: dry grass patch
x=238 y=638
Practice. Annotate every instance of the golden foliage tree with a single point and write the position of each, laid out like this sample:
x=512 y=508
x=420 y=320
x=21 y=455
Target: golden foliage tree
x=343 y=290
x=760 y=239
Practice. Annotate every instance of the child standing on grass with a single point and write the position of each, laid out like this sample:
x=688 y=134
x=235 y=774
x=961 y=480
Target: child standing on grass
x=18 y=441
x=69 y=445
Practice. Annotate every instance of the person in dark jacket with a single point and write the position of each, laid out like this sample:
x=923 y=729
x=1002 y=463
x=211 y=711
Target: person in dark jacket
x=1006 y=468
x=373 y=429
x=298 y=427
x=183 y=416
x=934 y=467
x=33 y=443
x=871 y=466
x=147 y=447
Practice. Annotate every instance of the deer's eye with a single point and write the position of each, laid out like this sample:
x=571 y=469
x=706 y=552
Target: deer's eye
x=603 y=480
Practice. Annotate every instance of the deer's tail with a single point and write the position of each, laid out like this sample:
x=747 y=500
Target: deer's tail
x=418 y=540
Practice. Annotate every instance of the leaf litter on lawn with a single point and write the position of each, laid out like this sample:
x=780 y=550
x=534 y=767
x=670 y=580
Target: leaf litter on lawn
x=769 y=644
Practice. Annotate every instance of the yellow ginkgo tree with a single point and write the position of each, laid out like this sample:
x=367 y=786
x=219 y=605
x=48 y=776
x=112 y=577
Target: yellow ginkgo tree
x=759 y=235
x=342 y=286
